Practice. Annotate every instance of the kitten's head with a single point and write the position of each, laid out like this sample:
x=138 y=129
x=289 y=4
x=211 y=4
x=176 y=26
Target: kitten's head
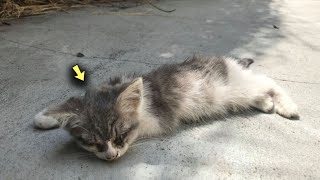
x=104 y=121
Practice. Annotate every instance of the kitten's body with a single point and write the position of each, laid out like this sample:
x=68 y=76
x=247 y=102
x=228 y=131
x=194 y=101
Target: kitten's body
x=157 y=102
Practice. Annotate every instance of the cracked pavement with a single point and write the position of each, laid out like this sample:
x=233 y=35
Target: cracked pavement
x=282 y=36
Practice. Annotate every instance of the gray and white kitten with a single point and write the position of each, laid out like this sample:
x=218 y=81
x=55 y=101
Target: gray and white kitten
x=107 y=119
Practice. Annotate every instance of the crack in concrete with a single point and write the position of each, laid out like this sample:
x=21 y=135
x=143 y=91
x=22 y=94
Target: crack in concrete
x=124 y=60
x=27 y=45
x=74 y=55
x=121 y=60
x=304 y=82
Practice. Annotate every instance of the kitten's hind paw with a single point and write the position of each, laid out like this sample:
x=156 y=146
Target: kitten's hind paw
x=43 y=121
x=265 y=104
x=289 y=111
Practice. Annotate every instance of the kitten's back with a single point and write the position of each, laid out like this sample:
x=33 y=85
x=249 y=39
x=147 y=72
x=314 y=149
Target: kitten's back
x=187 y=90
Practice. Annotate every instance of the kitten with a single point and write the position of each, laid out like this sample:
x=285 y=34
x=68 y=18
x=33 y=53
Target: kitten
x=107 y=119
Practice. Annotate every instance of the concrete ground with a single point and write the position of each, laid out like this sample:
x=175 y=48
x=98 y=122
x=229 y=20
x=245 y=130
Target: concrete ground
x=283 y=36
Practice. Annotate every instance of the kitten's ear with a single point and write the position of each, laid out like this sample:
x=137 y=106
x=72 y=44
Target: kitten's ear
x=65 y=115
x=245 y=62
x=130 y=99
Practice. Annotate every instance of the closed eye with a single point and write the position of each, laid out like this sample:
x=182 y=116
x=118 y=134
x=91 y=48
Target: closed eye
x=122 y=138
x=125 y=133
x=84 y=142
x=101 y=147
x=121 y=135
x=119 y=141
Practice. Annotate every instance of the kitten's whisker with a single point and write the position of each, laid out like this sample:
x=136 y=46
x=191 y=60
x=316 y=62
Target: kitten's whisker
x=79 y=156
x=138 y=144
x=75 y=154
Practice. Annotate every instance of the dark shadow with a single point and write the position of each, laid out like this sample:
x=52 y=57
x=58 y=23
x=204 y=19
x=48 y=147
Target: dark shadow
x=74 y=81
x=71 y=150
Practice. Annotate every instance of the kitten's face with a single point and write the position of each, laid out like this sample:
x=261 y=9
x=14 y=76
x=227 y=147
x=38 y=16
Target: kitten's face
x=105 y=121
x=110 y=143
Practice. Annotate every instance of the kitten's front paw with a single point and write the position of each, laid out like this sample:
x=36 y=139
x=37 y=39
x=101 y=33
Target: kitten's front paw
x=43 y=121
x=289 y=111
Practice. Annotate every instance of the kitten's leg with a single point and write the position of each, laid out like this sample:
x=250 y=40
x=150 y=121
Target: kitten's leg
x=44 y=121
x=284 y=105
x=257 y=90
x=60 y=115
x=274 y=97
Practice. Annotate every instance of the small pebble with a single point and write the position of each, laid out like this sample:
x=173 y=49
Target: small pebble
x=80 y=55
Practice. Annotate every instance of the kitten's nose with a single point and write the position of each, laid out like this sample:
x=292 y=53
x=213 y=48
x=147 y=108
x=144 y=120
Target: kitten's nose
x=112 y=157
x=111 y=152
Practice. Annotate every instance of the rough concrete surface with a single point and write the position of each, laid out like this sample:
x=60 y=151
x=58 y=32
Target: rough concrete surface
x=283 y=36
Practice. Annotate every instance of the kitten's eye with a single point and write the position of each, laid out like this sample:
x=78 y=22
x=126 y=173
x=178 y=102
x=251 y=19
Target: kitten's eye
x=100 y=147
x=119 y=141
x=82 y=141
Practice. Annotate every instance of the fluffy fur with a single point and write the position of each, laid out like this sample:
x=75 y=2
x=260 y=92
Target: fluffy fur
x=107 y=119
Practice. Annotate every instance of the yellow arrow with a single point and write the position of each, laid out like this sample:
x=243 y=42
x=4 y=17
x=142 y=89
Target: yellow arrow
x=80 y=75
